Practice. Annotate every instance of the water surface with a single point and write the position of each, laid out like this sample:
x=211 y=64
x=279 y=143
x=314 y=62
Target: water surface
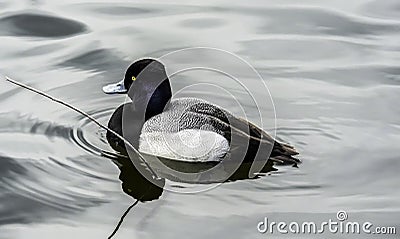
x=332 y=68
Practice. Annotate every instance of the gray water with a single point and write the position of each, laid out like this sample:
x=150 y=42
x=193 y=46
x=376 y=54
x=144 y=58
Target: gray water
x=332 y=68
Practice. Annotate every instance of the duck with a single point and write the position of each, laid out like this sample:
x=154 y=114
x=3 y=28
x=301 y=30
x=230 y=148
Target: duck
x=185 y=129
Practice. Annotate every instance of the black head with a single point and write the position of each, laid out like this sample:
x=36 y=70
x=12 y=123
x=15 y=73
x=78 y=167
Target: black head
x=144 y=71
x=147 y=84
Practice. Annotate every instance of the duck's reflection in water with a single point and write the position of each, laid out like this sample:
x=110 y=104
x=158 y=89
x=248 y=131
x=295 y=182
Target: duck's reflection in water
x=133 y=182
x=139 y=183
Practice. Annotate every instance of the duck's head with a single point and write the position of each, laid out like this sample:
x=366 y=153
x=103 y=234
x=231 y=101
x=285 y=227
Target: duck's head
x=147 y=84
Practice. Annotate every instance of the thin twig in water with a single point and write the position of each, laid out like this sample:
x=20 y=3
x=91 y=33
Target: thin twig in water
x=126 y=213
x=122 y=219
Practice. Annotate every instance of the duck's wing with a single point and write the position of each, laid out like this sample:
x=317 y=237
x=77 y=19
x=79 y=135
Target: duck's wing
x=258 y=140
x=230 y=126
x=281 y=153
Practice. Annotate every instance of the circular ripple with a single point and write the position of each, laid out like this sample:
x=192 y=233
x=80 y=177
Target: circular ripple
x=94 y=142
x=39 y=25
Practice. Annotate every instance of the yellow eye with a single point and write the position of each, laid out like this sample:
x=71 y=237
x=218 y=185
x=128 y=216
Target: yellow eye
x=133 y=78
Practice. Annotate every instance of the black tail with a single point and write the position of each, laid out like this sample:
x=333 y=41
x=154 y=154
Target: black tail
x=283 y=154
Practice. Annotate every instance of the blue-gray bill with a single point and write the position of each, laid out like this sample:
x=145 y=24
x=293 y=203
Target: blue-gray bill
x=116 y=88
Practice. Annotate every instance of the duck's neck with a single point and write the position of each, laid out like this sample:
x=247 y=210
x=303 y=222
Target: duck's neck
x=153 y=101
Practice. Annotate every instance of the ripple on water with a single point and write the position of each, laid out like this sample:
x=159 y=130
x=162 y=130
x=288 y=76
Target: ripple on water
x=95 y=143
x=299 y=50
x=39 y=25
x=202 y=23
x=36 y=183
x=389 y=9
x=368 y=75
x=122 y=10
x=133 y=10
x=96 y=60
x=306 y=20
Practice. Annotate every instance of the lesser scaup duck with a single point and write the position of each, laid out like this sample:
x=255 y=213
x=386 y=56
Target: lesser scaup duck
x=187 y=129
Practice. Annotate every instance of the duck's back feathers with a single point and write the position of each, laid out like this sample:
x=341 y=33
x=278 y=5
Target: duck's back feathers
x=211 y=125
